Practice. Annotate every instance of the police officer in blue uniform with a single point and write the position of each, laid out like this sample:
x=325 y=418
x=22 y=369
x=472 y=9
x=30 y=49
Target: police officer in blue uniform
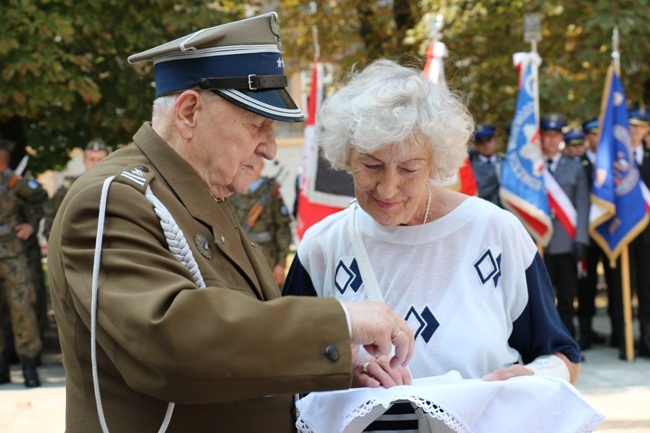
x=564 y=250
x=640 y=247
x=588 y=284
x=486 y=164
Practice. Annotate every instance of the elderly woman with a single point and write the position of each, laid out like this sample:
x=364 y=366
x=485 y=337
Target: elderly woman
x=464 y=273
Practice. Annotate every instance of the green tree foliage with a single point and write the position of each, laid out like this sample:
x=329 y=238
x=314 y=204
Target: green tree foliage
x=482 y=36
x=65 y=77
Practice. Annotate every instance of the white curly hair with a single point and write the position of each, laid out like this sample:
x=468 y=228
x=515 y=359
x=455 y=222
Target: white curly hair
x=389 y=104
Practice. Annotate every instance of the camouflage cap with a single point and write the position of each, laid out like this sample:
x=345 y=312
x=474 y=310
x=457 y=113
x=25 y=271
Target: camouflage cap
x=239 y=61
x=96 y=144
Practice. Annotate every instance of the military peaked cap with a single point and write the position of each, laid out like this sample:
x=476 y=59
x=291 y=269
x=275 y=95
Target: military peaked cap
x=239 y=61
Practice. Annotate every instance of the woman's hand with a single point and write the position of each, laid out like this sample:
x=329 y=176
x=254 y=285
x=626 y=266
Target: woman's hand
x=556 y=365
x=377 y=372
x=507 y=373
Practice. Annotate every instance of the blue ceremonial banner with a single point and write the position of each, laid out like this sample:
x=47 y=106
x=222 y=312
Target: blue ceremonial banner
x=522 y=189
x=618 y=210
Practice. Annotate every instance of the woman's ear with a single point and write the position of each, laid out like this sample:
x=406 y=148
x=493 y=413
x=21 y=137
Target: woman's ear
x=186 y=111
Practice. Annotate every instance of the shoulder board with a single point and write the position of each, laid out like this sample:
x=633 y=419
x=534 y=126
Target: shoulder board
x=137 y=175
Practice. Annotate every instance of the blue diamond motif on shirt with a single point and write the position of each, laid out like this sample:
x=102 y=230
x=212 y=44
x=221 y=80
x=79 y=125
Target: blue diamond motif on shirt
x=347 y=277
x=488 y=268
x=425 y=323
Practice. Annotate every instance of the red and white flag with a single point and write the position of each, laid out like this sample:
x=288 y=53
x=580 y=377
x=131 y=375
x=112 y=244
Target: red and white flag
x=561 y=205
x=434 y=70
x=322 y=192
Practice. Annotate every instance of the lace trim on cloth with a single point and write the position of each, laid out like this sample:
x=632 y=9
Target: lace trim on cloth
x=528 y=403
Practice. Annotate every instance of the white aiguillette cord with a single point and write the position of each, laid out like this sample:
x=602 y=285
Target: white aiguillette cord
x=177 y=245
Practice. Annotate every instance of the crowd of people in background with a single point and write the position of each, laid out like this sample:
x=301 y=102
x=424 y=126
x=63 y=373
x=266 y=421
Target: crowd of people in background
x=26 y=211
x=578 y=266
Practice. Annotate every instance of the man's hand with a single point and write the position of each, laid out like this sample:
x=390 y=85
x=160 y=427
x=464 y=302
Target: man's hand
x=377 y=328
x=23 y=231
x=278 y=274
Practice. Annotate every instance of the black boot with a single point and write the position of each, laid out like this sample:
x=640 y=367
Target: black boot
x=585 y=333
x=30 y=374
x=4 y=372
x=644 y=341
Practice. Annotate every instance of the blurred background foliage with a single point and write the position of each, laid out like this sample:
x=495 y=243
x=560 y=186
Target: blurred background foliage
x=482 y=37
x=64 y=73
x=65 y=78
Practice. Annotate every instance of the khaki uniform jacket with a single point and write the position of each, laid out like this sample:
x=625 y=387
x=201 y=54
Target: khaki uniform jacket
x=229 y=355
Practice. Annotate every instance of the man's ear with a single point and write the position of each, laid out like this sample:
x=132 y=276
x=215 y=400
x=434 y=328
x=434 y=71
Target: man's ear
x=186 y=112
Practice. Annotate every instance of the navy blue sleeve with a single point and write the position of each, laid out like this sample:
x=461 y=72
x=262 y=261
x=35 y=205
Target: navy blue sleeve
x=539 y=330
x=298 y=282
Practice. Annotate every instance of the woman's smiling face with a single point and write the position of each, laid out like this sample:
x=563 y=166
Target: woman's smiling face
x=392 y=186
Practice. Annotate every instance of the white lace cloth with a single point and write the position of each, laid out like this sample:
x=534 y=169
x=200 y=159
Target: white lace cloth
x=523 y=404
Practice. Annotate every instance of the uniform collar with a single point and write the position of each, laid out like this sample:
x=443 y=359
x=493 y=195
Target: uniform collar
x=178 y=174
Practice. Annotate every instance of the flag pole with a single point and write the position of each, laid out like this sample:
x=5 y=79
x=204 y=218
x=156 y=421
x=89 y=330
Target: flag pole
x=535 y=72
x=627 y=304
x=314 y=32
x=625 y=260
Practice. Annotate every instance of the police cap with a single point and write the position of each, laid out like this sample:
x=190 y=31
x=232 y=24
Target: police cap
x=574 y=138
x=638 y=116
x=552 y=122
x=484 y=132
x=590 y=126
x=239 y=61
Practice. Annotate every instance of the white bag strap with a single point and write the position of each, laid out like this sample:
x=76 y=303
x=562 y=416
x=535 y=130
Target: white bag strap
x=374 y=293
x=177 y=245
x=365 y=267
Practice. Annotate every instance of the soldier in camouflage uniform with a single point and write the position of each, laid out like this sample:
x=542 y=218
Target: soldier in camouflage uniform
x=20 y=214
x=266 y=220
x=95 y=151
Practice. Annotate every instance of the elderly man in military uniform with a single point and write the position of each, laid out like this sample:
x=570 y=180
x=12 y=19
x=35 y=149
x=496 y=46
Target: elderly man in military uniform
x=565 y=249
x=486 y=164
x=95 y=151
x=20 y=214
x=265 y=218
x=161 y=299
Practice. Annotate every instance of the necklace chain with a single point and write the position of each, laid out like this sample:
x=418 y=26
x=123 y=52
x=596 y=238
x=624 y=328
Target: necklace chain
x=426 y=214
